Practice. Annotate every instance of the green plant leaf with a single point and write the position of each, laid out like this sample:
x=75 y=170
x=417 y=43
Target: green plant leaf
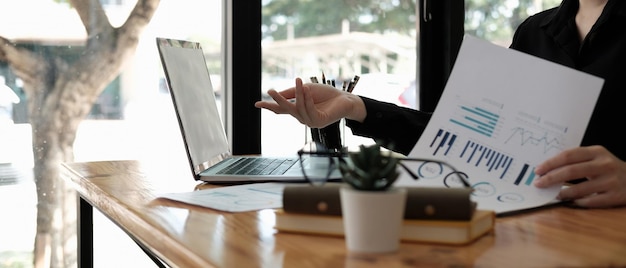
x=369 y=169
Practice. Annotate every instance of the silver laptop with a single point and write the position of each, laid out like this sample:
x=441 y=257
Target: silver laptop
x=203 y=133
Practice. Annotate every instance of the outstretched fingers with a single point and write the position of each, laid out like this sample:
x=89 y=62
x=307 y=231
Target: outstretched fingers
x=280 y=106
x=302 y=93
x=311 y=109
x=299 y=102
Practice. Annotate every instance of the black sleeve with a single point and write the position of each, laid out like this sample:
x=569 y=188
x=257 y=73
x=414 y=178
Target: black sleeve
x=393 y=127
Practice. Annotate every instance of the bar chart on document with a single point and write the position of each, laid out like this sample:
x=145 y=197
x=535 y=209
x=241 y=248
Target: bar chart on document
x=524 y=131
x=495 y=133
x=483 y=141
x=495 y=139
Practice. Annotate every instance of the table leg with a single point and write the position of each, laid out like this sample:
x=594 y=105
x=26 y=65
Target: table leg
x=85 y=233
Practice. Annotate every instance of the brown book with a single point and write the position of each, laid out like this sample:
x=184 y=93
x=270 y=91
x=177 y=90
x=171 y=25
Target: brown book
x=423 y=203
x=429 y=231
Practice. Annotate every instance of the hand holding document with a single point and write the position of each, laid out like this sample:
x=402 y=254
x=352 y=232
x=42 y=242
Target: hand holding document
x=501 y=114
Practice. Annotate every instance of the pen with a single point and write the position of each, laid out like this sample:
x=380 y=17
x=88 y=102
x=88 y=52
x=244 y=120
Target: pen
x=353 y=83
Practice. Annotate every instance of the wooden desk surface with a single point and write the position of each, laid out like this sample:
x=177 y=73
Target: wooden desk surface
x=189 y=236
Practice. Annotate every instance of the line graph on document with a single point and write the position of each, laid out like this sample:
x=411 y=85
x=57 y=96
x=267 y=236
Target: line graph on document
x=535 y=133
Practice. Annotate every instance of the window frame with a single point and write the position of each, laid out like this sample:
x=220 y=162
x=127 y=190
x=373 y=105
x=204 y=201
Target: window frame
x=241 y=73
x=441 y=32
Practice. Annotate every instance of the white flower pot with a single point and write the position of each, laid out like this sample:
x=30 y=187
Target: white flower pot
x=372 y=220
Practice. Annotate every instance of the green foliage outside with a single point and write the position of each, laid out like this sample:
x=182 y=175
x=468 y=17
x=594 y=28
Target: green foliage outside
x=497 y=20
x=13 y=259
x=488 y=19
x=324 y=17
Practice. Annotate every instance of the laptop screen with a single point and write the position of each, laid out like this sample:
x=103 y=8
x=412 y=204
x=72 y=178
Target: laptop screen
x=194 y=101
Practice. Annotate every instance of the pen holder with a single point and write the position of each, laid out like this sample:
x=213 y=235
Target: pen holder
x=330 y=136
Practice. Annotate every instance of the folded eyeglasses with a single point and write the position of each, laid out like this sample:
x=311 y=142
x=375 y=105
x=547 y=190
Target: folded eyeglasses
x=320 y=165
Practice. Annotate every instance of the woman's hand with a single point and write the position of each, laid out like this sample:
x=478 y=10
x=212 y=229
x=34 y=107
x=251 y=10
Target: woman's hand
x=605 y=173
x=315 y=105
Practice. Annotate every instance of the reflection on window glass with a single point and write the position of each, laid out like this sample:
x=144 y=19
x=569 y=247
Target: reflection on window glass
x=374 y=39
x=496 y=20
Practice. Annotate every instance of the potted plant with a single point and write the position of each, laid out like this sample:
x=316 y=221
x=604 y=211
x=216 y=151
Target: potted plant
x=372 y=208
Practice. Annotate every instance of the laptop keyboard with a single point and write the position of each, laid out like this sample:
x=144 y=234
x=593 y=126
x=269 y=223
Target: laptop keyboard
x=259 y=166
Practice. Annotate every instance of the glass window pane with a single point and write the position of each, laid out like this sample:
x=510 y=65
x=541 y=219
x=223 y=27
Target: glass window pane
x=375 y=40
x=132 y=118
x=496 y=21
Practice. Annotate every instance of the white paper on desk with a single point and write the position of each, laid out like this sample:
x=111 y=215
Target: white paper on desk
x=238 y=198
x=502 y=113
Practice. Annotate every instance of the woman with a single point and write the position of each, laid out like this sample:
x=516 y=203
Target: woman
x=587 y=35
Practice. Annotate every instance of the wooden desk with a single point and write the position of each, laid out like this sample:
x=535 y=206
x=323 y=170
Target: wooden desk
x=188 y=236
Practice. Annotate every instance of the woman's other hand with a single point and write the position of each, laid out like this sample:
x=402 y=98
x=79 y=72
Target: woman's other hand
x=605 y=173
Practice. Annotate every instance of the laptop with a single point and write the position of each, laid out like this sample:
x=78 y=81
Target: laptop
x=202 y=130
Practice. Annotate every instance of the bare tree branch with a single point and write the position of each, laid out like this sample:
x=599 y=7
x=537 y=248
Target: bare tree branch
x=93 y=16
x=106 y=42
x=26 y=64
x=140 y=16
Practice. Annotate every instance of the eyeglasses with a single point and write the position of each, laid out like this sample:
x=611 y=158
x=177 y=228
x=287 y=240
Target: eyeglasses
x=320 y=165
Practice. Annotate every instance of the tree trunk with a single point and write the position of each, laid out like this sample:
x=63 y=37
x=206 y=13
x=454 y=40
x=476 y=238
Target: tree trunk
x=60 y=94
x=53 y=139
x=56 y=224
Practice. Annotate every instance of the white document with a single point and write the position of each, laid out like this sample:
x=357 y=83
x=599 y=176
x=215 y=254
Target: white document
x=501 y=114
x=239 y=198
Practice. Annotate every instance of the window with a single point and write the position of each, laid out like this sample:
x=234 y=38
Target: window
x=375 y=40
x=496 y=21
x=131 y=119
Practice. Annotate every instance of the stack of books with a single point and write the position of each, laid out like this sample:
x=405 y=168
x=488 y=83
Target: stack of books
x=433 y=215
